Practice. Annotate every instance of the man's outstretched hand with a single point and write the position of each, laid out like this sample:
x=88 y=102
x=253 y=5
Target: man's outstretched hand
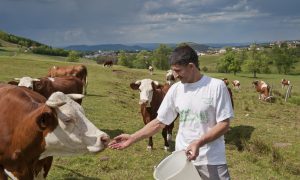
x=121 y=142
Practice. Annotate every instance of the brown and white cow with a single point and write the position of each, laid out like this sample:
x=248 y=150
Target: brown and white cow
x=236 y=84
x=263 y=89
x=150 y=68
x=79 y=71
x=46 y=85
x=170 y=79
x=33 y=129
x=285 y=82
x=151 y=96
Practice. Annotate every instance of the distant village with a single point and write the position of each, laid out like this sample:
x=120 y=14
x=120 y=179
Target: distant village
x=209 y=51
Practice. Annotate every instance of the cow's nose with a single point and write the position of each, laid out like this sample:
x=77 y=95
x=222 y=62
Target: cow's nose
x=105 y=140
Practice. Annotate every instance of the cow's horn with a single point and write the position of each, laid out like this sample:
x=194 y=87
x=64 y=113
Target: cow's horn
x=75 y=96
x=54 y=104
x=138 y=82
x=36 y=79
x=156 y=83
x=17 y=79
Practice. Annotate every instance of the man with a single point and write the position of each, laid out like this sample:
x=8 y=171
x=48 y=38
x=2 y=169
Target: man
x=205 y=110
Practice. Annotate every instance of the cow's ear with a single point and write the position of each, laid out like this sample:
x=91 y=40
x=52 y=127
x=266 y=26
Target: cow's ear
x=156 y=85
x=13 y=82
x=45 y=120
x=134 y=86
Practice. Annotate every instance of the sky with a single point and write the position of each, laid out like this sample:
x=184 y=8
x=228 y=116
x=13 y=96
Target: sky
x=61 y=23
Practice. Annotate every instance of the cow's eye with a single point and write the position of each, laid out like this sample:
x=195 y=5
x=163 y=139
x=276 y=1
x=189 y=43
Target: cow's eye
x=67 y=120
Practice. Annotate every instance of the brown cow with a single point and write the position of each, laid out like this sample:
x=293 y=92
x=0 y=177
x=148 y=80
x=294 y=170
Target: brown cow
x=263 y=89
x=46 y=86
x=151 y=96
x=33 y=129
x=229 y=90
x=79 y=71
x=108 y=63
x=284 y=83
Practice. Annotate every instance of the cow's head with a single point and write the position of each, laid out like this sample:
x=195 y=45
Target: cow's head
x=170 y=77
x=225 y=80
x=75 y=134
x=146 y=87
x=26 y=82
x=255 y=83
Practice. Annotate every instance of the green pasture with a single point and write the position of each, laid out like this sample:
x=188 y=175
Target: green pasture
x=263 y=141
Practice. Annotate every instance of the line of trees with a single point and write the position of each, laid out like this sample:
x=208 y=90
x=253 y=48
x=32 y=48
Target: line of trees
x=142 y=60
x=256 y=60
x=18 y=40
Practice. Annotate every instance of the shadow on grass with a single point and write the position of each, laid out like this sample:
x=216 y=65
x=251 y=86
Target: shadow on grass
x=75 y=174
x=238 y=136
x=113 y=133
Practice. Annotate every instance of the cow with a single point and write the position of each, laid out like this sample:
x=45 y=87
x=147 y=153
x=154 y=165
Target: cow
x=284 y=83
x=170 y=79
x=236 y=84
x=225 y=80
x=151 y=96
x=79 y=71
x=150 y=68
x=108 y=63
x=46 y=86
x=263 y=89
x=33 y=129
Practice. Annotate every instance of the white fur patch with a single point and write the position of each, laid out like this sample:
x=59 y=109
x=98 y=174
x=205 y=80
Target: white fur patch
x=75 y=134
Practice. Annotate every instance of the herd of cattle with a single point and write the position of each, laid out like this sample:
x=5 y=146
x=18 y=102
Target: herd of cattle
x=48 y=120
x=261 y=87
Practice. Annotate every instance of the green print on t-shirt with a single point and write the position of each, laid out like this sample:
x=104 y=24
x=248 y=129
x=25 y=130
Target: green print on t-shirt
x=188 y=115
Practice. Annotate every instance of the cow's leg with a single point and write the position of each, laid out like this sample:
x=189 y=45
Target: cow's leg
x=42 y=167
x=85 y=83
x=150 y=143
x=2 y=174
x=169 y=131
x=164 y=134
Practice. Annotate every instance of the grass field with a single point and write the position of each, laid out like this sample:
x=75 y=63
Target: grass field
x=263 y=142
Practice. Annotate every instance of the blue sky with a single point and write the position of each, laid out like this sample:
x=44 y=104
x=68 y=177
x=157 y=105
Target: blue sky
x=73 y=22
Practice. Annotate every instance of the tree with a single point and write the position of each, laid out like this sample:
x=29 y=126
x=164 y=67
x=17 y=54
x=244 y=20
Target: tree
x=283 y=58
x=123 y=59
x=73 y=56
x=142 y=60
x=161 y=56
x=236 y=64
x=230 y=62
x=253 y=64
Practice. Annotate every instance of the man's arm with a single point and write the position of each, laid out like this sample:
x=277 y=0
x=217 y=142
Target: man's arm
x=218 y=130
x=125 y=140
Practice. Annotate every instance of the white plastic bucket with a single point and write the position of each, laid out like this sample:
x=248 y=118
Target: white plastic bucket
x=176 y=167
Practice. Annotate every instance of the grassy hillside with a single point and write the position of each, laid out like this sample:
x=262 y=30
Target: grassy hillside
x=263 y=142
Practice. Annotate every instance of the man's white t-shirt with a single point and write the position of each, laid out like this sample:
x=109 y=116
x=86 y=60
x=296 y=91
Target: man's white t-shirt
x=201 y=105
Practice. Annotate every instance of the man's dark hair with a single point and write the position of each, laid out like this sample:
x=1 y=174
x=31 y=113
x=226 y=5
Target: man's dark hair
x=183 y=55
